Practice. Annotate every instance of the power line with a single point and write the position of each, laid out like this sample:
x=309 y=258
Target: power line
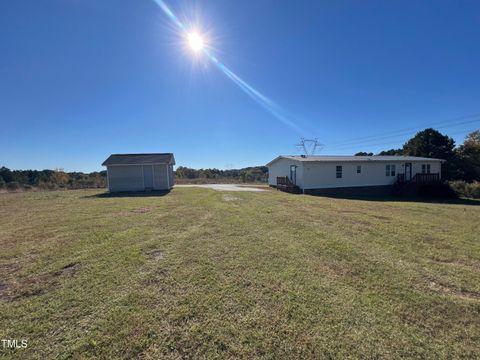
x=399 y=134
x=402 y=131
x=389 y=143
x=366 y=142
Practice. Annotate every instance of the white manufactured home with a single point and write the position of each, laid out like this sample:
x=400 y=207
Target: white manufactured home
x=362 y=174
x=140 y=172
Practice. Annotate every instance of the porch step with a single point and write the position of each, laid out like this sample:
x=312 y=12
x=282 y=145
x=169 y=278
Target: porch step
x=285 y=184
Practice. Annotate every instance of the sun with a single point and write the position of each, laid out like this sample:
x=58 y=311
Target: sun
x=195 y=41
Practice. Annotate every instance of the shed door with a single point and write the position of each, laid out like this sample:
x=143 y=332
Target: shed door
x=148 y=176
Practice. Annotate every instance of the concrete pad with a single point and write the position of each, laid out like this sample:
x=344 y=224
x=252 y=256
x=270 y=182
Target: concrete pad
x=224 y=187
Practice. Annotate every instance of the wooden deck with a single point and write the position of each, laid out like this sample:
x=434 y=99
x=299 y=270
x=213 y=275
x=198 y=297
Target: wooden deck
x=420 y=178
x=284 y=184
x=411 y=187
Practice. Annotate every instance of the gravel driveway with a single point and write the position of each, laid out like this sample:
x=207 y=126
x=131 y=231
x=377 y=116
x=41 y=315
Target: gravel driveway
x=224 y=187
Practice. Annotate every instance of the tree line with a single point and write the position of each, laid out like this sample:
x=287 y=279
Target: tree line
x=59 y=179
x=50 y=179
x=249 y=174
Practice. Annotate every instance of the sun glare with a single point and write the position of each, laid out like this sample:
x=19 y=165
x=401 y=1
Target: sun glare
x=195 y=41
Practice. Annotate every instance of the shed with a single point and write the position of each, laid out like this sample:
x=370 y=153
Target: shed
x=351 y=174
x=140 y=172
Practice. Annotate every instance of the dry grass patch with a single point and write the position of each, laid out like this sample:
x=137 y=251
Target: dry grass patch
x=14 y=288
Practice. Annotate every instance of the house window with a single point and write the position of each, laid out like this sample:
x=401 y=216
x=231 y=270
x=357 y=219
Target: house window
x=339 y=172
x=359 y=169
x=390 y=170
x=425 y=168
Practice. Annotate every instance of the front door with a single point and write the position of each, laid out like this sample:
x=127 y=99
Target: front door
x=293 y=174
x=148 y=176
x=408 y=171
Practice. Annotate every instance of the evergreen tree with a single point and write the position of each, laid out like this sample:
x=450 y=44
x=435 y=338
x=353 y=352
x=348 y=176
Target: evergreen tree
x=431 y=143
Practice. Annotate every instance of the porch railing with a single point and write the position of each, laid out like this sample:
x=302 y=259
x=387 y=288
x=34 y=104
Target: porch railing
x=426 y=178
x=420 y=178
x=285 y=184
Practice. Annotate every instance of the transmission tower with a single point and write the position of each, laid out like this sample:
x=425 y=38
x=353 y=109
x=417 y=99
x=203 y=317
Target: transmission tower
x=309 y=146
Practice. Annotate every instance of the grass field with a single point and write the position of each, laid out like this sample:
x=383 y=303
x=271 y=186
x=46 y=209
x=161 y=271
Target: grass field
x=204 y=274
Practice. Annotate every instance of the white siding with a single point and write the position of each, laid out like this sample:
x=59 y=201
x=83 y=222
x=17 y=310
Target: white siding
x=321 y=175
x=281 y=167
x=160 y=177
x=125 y=178
x=318 y=175
x=435 y=167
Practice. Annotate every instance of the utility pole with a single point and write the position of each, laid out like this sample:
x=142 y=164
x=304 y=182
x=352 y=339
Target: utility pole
x=309 y=146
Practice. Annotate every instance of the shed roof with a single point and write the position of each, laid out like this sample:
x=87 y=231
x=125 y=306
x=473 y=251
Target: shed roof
x=139 y=159
x=340 y=158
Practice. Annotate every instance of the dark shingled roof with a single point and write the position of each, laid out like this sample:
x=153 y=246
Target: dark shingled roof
x=134 y=159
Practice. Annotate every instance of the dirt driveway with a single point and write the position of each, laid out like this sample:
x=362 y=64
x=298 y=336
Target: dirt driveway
x=225 y=187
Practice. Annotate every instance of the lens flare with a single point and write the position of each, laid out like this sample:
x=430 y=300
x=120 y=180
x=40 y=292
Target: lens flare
x=197 y=44
x=195 y=41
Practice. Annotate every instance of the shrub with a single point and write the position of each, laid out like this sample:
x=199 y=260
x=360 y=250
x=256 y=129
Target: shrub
x=2 y=183
x=458 y=186
x=13 y=185
x=475 y=190
x=464 y=189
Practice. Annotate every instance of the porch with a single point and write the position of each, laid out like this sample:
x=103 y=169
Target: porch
x=411 y=187
x=420 y=178
x=285 y=184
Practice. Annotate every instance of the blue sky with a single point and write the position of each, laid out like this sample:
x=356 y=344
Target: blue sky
x=80 y=79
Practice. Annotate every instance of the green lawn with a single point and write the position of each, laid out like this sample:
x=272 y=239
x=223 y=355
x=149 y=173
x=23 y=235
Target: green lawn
x=204 y=274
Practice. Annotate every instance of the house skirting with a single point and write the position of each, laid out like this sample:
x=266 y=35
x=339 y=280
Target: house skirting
x=352 y=191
